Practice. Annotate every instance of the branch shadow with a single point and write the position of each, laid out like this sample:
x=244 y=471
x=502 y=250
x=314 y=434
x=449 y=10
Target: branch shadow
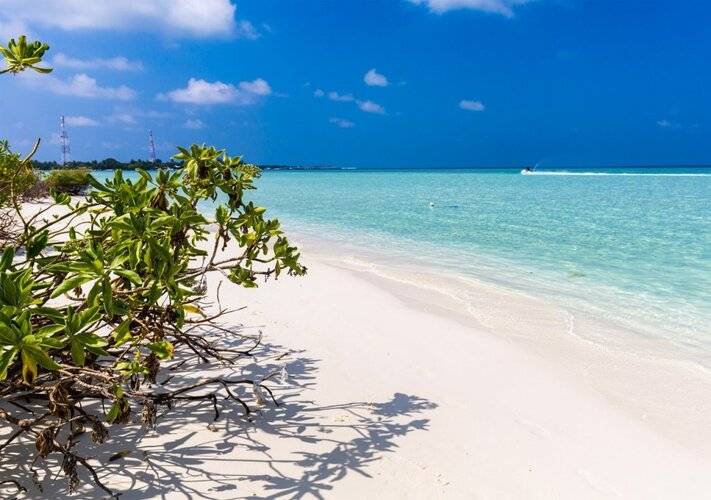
x=189 y=454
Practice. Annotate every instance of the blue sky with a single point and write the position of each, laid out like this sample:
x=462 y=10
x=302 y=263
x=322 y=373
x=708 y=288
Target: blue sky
x=388 y=83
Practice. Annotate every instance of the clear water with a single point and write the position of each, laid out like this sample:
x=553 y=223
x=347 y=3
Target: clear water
x=633 y=246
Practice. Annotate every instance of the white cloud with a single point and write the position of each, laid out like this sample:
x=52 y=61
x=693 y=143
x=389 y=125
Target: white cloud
x=374 y=79
x=257 y=87
x=80 y=85
x=371 y=107
x=667 y=124
x=471 y=105
x=195 y=124
x=503 y=7
x=119 y=63
x=12 y=28
x=177 y=18
x=342 y=122
x=335 y=96
x=80 y=121
x=200 y=91
x=245 y=29
x=367 y=105
x=123 y=118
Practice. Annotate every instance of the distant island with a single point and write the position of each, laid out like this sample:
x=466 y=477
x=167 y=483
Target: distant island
x=114 y=164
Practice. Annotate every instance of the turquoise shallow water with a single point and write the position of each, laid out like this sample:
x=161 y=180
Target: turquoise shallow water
x=632 y=246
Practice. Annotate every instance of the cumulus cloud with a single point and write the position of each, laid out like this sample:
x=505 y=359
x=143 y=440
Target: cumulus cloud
x=319 y=93
x=118 y=63
x=341 y=122
x=371 y=107
x=195 y=124
x=200 y=91
x=180 y=18
x=80 y=85
x=471 y=105
x=257 y=87
x=503 y=7
x=80 y=121
x=374 y=79
x=335 y=96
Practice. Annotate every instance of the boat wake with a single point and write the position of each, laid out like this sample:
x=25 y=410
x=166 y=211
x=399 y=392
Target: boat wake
x=619 y=174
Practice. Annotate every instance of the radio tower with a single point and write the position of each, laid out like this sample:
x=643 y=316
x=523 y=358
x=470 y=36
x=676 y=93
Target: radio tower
x=63 y=141
x=151 y=147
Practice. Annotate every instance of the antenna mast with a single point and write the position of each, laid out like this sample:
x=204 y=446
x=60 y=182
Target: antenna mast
x=63 y=141
x=151 y=147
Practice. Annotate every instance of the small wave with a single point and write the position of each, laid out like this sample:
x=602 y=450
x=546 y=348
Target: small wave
x=625 y=174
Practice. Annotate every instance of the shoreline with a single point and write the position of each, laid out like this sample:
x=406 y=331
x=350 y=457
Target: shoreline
x=639 y=375
x=661 y=326
x=508 y=279
x=477 y=414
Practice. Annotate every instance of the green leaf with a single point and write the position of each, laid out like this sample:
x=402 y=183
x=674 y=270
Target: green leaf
x=78 y=354
x=50 y=312
x=132 y=276
x=162 y=349
x=121 y=333
x=7 y=257
x=97 y=185
x=107 y=296
x=41 y=357
x=163 y=221
x=6 y=359
x=8 y=336
x=37 y=244
x=71 y=284
x=48 y=331
x=113 y=412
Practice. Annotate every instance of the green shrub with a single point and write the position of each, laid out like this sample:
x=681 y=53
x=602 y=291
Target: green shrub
x=68 y=180
x=16 y=175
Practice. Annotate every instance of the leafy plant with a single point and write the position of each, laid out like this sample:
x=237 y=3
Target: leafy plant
x=21 y=55
x=98 y=295
x=16 y=174
x=68 y=180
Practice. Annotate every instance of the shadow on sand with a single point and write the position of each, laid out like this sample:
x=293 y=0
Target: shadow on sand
x=189 y=455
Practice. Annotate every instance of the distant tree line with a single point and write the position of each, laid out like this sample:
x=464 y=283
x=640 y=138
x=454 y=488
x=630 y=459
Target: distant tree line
x=114 y=164
x=106 y=164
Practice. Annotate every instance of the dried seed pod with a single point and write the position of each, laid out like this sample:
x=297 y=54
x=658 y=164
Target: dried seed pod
x=69 y=466
x=59 y=401
x=99 y=434
x=149 y=415
x=152 y=365
x=45 y=442
x=124 y=411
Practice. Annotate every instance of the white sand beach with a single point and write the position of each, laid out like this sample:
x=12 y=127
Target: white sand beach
x=393 y=395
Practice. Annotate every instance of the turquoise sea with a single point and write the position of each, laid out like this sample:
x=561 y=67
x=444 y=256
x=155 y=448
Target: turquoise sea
x=630 y=245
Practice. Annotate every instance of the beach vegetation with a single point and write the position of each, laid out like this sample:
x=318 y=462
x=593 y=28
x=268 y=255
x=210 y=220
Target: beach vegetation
x=73 y=181
x=101 y=295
